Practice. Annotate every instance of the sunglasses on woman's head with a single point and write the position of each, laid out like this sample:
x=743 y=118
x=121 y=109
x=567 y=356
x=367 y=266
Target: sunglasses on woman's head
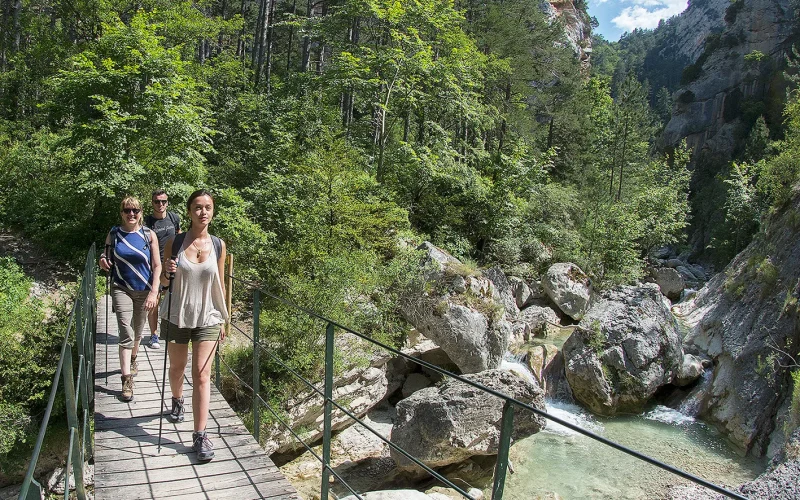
x=134 y=211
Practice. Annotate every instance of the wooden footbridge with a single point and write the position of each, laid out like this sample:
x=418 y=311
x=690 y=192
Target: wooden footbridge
x=127 y=463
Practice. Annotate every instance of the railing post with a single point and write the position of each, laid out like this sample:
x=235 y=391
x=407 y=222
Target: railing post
x=506 y=428
x=326 y=434
x=256 y=365
x=74 y=454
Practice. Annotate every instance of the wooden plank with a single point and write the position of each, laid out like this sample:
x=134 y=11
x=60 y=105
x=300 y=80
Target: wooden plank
x=128 y=462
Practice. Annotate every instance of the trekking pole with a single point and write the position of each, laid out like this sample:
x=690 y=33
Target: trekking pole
x=166 y=349
x=108 y=295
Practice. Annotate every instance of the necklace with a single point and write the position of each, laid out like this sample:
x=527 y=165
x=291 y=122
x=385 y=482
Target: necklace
x=199 y=249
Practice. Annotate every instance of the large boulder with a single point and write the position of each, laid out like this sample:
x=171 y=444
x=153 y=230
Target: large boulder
x=669 y=281
x=569 y=288
x=461 y=311
x=503 y=292
x=452 y=422
x=624 y=349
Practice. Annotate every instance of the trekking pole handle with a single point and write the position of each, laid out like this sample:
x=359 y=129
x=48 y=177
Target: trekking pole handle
x=174 y=259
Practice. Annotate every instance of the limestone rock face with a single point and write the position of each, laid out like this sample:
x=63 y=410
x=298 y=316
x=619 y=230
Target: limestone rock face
x=737 y=319
x=706 y=109
x=452 y=422
x=624 y=349
x=569 y=288
x=462 y=311
x=577 y=25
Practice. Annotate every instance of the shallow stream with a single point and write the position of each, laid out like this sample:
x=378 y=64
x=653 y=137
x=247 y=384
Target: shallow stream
x=558 y=460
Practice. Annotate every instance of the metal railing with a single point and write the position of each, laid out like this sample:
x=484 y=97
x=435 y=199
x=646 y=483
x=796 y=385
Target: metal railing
x=506 y=427
x=78 y=390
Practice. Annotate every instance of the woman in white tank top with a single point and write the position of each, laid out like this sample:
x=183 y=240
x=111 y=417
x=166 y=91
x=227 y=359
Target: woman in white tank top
x=198 y=313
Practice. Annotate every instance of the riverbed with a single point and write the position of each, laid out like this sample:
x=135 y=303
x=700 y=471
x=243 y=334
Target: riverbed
x=561 y=461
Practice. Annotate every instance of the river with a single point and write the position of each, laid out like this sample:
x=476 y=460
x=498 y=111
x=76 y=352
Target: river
x=558 y=460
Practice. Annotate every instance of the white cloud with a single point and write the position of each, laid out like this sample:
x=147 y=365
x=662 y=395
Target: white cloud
x=640 y=16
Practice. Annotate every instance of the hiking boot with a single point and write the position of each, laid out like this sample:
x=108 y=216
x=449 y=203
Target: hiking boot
x=176 y=415
x=127 y=387
x=134 y=366
x=202 y=445
x=154 y=342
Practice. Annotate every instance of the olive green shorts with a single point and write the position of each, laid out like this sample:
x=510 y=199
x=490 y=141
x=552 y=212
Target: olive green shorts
x=176 y=335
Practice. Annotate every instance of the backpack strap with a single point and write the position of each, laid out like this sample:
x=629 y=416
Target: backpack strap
x=217 y=245
x=176 y=221
x=146 y=235
x=177 y=243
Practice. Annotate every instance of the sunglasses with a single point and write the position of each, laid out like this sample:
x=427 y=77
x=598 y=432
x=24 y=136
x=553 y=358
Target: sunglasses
x=161 y=202
x=134 y=211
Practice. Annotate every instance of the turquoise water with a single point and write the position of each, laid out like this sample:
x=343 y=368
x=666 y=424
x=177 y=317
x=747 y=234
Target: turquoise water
x=558 y=460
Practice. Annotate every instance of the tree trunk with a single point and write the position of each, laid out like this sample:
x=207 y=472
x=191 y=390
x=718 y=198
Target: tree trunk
x=622 y=163
x=270 y=23
x=262 y=37
x=306 y=55
x=240 y=43
x=289 y=43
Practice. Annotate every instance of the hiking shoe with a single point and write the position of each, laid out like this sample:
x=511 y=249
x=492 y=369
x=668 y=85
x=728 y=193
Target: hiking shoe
x=134 y=366
x=202 y=445
x=177 y=413
x=127 y=387
x=154 y=342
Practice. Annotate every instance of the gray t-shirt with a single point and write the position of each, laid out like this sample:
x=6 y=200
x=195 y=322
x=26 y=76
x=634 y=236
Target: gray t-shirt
x=165 y=228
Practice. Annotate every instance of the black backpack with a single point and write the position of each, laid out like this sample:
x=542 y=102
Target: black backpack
x=177 y=243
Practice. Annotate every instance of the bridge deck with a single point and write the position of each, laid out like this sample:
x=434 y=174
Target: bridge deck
x=127 y=463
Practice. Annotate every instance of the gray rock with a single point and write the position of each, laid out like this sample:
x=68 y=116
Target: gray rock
x=452 y=422
x=736 y=320
x=675 y=263
x=691 y=369
x=688 y=272
x=669 y=281
x=539 y=318
x=569 y=288
x=521 y=291
x=702 y=108
x=470 y=326
x=415 y=382
x=503 y=291
x=55 y=482
x=624 y=349
x=363 y=388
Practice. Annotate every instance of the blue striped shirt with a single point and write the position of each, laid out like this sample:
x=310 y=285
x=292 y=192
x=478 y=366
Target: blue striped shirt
x=131 y=259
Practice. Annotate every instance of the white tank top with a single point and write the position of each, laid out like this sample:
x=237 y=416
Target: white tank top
x=197 y=296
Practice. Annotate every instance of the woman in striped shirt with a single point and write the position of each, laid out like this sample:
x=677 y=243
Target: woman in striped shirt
x=132 y=257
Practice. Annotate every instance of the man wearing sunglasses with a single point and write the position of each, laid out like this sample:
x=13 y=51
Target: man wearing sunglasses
x=166 y=225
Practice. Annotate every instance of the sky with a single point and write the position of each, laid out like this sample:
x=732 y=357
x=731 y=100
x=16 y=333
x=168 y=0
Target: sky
x=618 y=16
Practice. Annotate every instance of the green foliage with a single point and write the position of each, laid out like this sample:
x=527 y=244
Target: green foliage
x=595 y=339
x=754 y=56
x=794 y=412
x=31 y=334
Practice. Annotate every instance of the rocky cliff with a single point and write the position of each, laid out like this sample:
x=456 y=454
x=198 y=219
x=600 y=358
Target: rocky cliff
x=746 y=320
x=738 y=50
x=572 y=13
